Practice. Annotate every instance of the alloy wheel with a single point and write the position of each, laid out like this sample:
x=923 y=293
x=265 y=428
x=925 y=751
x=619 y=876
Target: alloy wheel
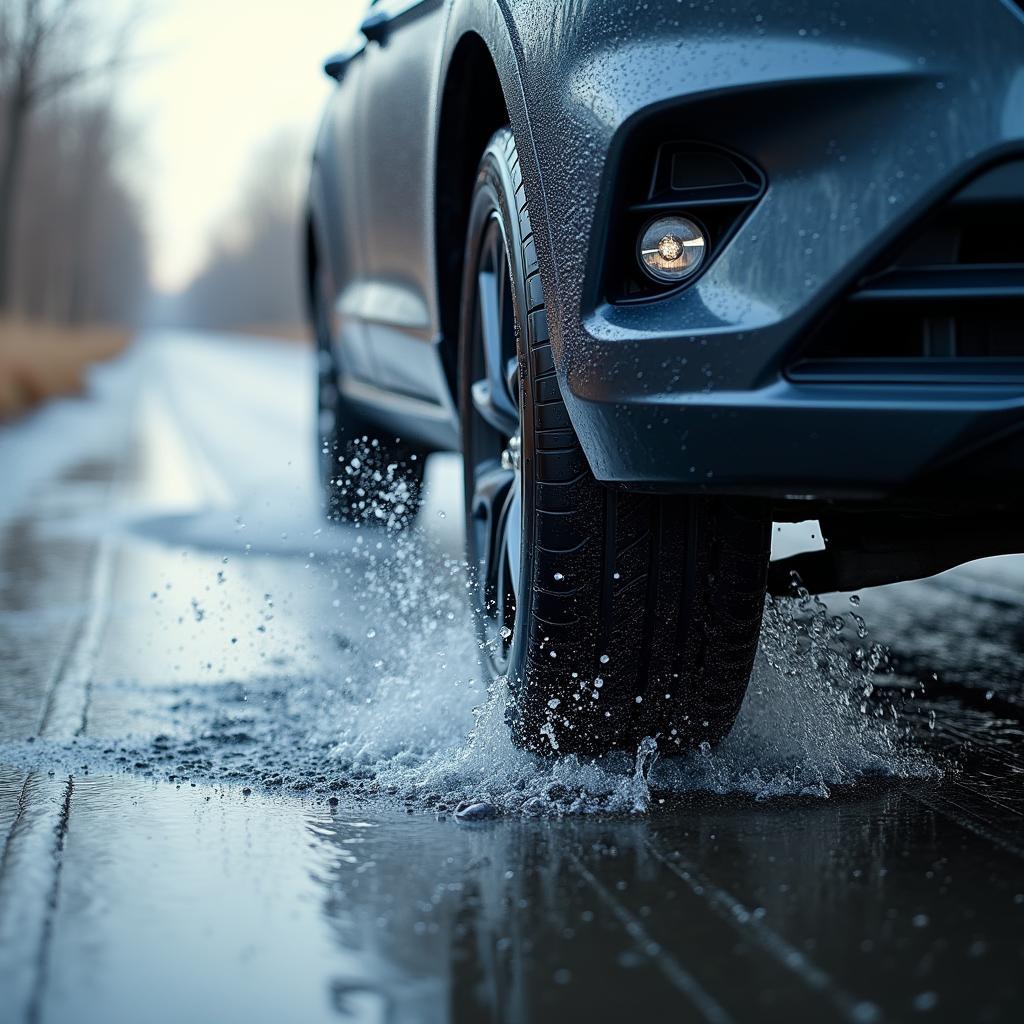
x=493 y=448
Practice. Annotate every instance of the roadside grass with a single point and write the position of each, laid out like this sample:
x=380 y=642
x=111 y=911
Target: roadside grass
x=39 y=361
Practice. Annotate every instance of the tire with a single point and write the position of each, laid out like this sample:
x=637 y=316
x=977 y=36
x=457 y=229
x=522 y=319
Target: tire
x=366 y=476
x=614 y=615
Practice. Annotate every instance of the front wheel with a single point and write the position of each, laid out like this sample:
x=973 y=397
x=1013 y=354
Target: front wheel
x=613 y=615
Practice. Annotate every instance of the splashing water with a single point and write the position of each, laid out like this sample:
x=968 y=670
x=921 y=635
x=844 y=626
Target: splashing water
x=400 y=709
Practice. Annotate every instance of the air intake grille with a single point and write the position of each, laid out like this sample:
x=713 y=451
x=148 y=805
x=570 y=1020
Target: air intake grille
x=950 y=306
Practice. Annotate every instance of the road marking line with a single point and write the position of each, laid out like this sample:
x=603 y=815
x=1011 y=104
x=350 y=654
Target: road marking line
x=35 y=1004
x=68 y=702
x=33 y=855
x=22 y=805
x=709 y=1008
x=968 y=823
x=730 y=909
x=28 y=892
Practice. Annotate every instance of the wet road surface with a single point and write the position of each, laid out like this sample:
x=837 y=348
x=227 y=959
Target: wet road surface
x=232 y=742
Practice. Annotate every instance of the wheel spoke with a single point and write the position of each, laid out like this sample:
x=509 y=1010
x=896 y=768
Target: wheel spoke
x=490 y=499
x=512 y=379
x=491 y=396
x=493 y=411
x=505 y=611
x=507 y=574
x=514 y=535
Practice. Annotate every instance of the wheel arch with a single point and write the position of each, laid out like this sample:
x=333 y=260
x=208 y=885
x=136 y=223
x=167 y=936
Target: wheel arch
x=309 y=268
x=314 y=241
x=473 y=107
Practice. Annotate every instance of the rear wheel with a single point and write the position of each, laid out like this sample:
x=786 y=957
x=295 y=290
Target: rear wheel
x=613 y=615
x=366 y=474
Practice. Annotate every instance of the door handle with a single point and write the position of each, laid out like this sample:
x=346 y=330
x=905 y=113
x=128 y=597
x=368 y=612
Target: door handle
x=375 y=26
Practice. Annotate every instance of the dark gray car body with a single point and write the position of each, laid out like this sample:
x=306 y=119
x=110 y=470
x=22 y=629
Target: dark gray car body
x=863 y=117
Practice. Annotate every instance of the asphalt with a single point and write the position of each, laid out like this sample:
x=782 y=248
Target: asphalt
x=233 y=742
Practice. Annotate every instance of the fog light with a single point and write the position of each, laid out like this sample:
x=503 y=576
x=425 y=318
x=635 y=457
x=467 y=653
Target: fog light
x=671 y=249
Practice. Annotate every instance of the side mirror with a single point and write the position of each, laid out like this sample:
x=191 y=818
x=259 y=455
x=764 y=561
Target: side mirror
x=335 y=65
x=375 y=26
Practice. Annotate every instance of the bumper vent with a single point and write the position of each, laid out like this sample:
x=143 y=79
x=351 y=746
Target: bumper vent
x=949 y=307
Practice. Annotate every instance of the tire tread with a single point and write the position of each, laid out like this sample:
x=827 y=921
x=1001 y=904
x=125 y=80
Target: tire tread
x=670 y=589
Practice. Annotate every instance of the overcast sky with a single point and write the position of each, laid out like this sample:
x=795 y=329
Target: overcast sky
x=218 y=78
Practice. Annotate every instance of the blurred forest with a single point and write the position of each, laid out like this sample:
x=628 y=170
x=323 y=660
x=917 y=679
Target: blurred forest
x=72 y=239
x=252 y=272
x=74 y=257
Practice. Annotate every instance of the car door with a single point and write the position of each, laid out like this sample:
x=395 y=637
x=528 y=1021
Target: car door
x=338 y=181
x=398 y=303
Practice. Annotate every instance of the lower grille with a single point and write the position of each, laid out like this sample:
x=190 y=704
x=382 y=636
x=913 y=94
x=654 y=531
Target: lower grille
x=949 y=307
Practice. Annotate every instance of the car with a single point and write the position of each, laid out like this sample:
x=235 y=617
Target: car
x=667 y=273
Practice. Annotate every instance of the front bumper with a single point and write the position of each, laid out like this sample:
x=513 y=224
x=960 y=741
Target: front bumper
x=863 y=116
x=806 y=442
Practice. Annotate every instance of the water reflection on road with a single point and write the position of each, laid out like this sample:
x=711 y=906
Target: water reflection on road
x=231 y=742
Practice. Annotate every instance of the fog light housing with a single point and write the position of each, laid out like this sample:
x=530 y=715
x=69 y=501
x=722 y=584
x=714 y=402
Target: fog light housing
x=671 y=249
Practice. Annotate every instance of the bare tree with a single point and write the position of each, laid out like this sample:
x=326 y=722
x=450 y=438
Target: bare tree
x=38 y=61
x=78 y=237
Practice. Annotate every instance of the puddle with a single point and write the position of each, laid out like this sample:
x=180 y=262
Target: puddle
x=396 y=708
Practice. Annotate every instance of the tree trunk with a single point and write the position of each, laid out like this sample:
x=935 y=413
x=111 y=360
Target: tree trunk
x=11 y=163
